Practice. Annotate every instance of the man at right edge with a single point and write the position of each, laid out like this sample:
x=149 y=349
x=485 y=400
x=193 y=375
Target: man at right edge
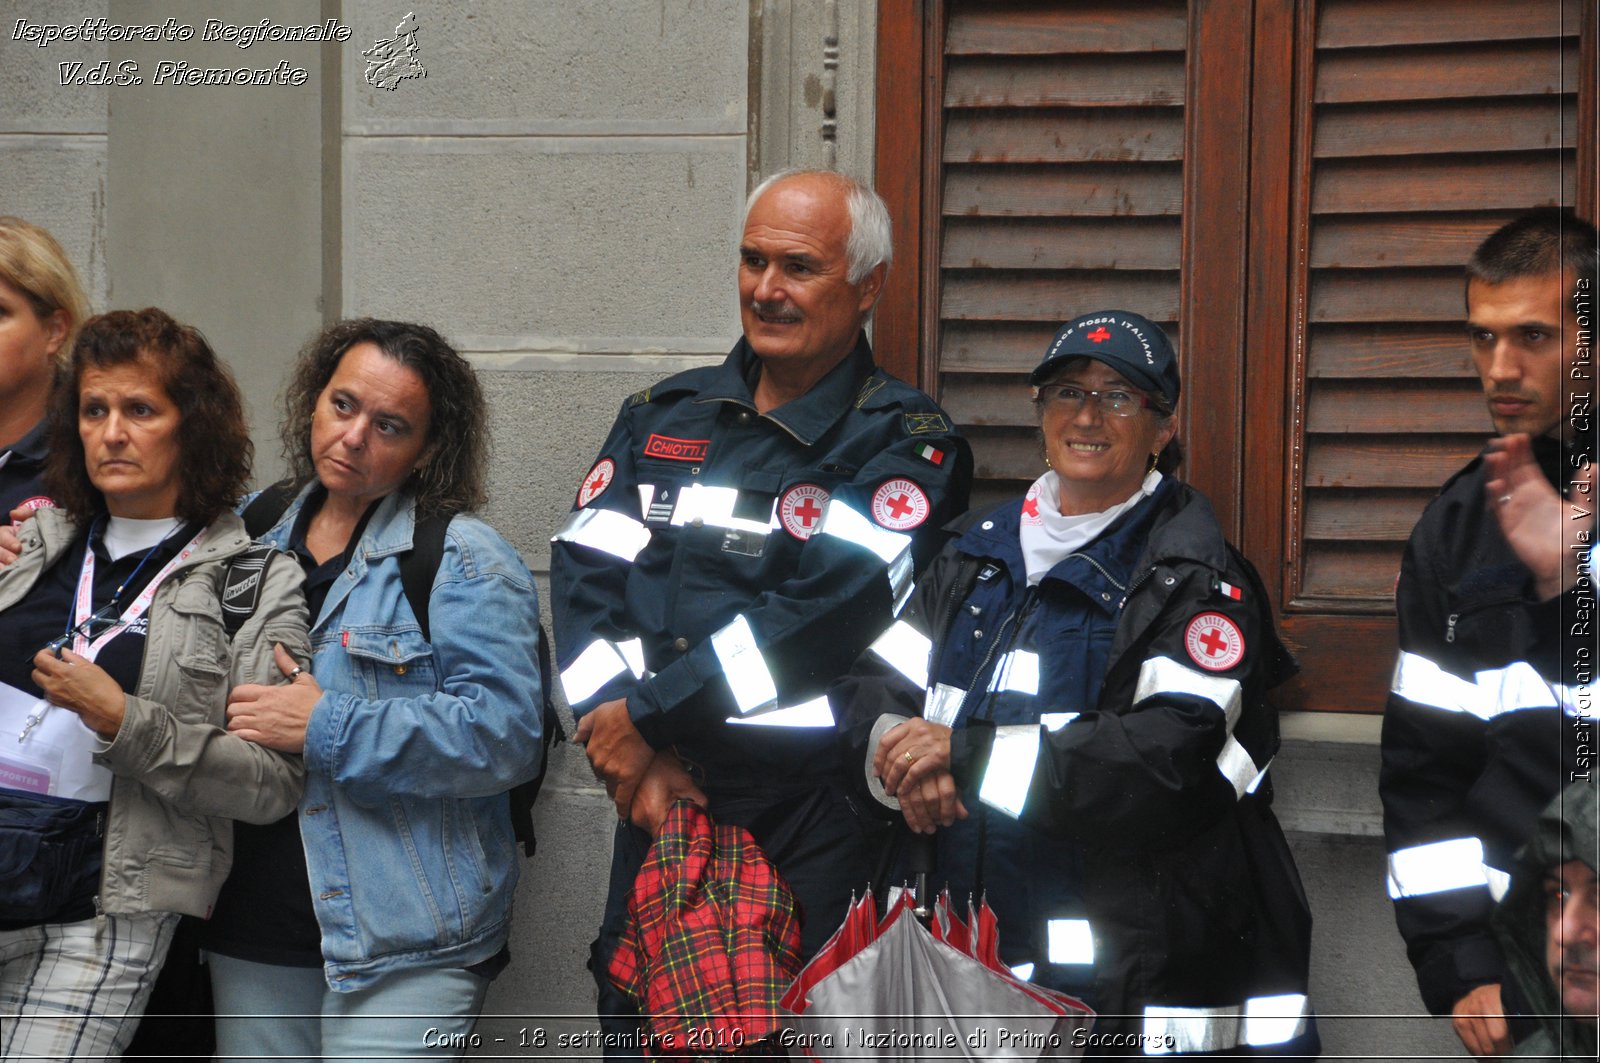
x=1478 y=731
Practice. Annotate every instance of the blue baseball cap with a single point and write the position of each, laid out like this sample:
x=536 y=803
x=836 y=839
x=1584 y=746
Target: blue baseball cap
x=1130 y=343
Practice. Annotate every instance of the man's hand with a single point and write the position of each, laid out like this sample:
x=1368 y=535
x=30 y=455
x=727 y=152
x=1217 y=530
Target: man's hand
x=275 y=716
x=663 y=783
x=1536 y=521
x=1480 y=1022
x=618 y=753
x=78 y=684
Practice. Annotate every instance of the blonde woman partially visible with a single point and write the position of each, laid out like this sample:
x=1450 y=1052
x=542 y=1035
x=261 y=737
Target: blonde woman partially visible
x=41 y=306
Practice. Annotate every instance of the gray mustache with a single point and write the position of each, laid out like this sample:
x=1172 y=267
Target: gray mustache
x=780 y=311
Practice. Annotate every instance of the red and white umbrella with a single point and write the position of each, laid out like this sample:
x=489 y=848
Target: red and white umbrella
x=897 y=990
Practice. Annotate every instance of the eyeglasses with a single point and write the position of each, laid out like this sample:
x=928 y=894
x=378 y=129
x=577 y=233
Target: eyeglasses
x=1116 y=402
x=90 y=628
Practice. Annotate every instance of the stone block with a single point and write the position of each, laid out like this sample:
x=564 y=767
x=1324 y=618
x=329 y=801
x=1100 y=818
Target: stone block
x=615 y=244
x=504 y=67
x=60 y=183
x=32 y=97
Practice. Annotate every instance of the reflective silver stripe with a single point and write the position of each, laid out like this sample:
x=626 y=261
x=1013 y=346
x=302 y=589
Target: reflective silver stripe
x=814 y=713
x=1236 y=766
x=1163 y=675
x=1576 y=700
x=1010 y=771
x=647 y=495
x=1018 y=671
x=605 y=530
x=1023 y=971
x=1189 y=1029
x=902 y=580
x=1499 y=882
x=845 y=523
x=744 y=667
x=906 y=650
x=633 y=652
x=1438 y=866
x=1070 y=941
x=596 y=666
x=714 y=506
x=1420 y=680
x=1055 y=721
x=1256 y=782
x=1274 y=1020
x=1489 y=693
x=942 y=704
x=1517 y=686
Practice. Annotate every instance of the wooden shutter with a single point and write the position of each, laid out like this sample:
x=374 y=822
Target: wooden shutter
x=1419 y=128
x=1292 y=187
x=1060 y=191
x=1429 y=126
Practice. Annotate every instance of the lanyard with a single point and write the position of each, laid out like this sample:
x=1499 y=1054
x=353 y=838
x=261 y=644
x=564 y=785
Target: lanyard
x=83 y=606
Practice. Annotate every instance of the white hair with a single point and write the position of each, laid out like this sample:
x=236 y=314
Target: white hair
x=870 y=243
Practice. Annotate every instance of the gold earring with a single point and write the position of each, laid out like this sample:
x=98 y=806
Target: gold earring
x=1150 y=468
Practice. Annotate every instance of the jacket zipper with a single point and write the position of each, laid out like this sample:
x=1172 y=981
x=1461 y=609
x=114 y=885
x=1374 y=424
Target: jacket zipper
x=1100 y=569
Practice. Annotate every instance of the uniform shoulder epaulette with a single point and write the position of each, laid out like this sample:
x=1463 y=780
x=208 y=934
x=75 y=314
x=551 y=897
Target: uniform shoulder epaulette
x=689 y=380
x=920 y=415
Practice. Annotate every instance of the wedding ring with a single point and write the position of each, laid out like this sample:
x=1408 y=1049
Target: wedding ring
x=911 y=758
x=296 y=673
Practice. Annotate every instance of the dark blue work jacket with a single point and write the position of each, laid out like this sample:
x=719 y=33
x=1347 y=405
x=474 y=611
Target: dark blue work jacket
x=721 y=565
x=1111 y=737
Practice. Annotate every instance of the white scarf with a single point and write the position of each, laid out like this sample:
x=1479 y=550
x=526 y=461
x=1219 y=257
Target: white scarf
x=1047 y=536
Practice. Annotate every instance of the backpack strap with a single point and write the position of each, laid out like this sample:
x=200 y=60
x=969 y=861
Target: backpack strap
x=420 y=564
x=267 y=508
x=241 y=585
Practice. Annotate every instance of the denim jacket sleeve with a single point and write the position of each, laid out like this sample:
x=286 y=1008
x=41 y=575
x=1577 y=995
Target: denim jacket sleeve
x=478 y=731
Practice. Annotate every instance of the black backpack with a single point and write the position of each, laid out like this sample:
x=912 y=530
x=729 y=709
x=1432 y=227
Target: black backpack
x=418 y=567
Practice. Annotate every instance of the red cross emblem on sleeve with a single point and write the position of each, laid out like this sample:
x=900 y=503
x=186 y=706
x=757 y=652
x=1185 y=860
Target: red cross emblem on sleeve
x=1099 y=335
x=1214 y=642
x=800 y=510
x=595 y=484
x=899 y=505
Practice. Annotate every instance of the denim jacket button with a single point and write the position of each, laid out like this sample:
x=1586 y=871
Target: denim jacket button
x=399 y=669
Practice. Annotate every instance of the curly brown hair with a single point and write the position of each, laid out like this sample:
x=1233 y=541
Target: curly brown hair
x=452 y=478
x=214 y=449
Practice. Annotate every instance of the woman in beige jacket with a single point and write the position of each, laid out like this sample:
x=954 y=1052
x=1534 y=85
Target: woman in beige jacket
x=118 y=779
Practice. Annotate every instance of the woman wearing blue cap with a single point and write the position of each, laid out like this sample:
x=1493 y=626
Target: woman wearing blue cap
x=1075 y=701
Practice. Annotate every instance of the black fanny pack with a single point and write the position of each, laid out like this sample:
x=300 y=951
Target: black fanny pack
x=50 y=856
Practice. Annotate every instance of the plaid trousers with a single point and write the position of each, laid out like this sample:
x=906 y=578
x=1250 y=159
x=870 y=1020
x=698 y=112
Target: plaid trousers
x=77 y=990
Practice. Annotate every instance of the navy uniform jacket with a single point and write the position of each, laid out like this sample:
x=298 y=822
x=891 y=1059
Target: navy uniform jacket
x=22 y=475
x=722 y=566
x=1111 y=737
x=1484 y=724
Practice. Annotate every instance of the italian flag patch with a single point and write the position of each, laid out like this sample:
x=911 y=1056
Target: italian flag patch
x=1228 y=590
x=930 y=453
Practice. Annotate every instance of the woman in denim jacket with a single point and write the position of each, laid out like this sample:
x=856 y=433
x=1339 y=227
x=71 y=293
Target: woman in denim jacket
x=389 y=892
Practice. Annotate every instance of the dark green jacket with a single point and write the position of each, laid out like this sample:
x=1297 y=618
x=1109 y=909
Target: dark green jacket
x=1567 y=830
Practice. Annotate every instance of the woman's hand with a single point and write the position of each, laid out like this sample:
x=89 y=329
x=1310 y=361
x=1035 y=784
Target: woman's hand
x=275 y=716
x=913 y=760
x=78 y=684
x=10 y=541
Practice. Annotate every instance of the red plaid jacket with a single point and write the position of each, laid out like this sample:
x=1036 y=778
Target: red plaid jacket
x=712 y=939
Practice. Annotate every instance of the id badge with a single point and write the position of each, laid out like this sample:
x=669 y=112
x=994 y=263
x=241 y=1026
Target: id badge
x=32 y=766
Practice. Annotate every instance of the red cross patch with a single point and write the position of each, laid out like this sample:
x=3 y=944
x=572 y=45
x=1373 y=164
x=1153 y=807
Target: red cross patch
x=595 y=484
x=800 y=510
x=36 y=502
x=899 y=505
x=1099 y=335
x=1214 y=642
